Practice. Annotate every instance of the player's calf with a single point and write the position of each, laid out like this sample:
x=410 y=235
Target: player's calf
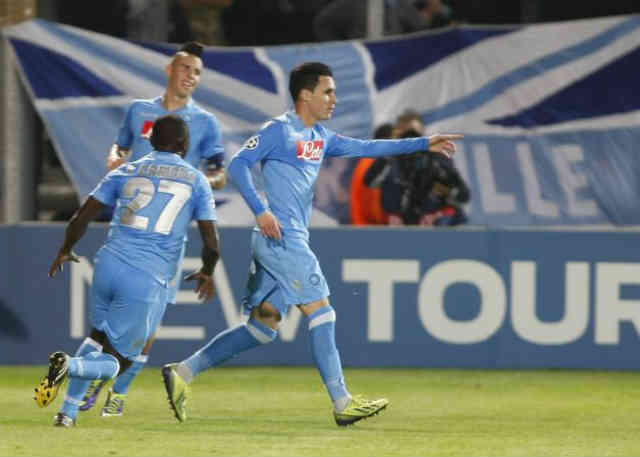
x=90 y=398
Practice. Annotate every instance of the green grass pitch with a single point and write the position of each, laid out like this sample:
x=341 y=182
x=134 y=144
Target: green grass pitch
x=278 y=411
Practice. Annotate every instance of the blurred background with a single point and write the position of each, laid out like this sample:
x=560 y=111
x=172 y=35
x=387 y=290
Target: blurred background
x=225 y=23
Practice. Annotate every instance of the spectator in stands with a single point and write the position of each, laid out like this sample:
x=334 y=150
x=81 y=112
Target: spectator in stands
x=347 y=19
x=270 y=22
x=419 y=189
x=437 y=12
x=142 y=20
x=366 y=202
x=391 y=190
x=109 y=18
x=205 y=20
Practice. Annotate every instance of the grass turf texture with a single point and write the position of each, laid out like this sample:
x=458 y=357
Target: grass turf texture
x=285 y=412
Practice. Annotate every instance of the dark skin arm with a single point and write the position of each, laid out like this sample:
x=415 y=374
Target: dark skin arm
x=75 y=230
x=205 y=286
x=217 y=178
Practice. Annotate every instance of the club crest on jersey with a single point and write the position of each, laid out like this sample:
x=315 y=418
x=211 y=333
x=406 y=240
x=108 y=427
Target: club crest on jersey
x=310 y=150
x=147 y=129
x=252 y=142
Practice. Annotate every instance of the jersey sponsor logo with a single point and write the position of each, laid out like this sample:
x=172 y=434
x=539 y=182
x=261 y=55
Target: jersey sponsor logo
x=147 y=129
x=252 y=142
x=310 y=150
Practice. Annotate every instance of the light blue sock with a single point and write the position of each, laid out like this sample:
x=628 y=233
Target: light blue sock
x=95 y=365
x=83 y=370
x=225 y=345
x=124 y=380
x=87 y=346
x=322 y=328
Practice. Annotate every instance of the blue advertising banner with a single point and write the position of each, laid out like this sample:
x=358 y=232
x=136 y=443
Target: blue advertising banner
x=551 y=112
x=415 y=298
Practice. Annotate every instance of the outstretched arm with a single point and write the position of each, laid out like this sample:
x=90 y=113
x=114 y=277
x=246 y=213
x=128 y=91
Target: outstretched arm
x=443 y=143
x=343 y=146
x=205 y=287
x=74 y=232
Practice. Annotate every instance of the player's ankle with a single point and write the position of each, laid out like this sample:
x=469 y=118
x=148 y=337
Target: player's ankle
x=183 y=370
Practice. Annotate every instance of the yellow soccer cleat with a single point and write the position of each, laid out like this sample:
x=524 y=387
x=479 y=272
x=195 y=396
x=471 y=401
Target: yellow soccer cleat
x=177 y=391
x=47 y=390
x=359 y=408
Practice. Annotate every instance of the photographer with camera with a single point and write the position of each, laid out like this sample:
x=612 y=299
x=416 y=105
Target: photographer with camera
x=421 y=188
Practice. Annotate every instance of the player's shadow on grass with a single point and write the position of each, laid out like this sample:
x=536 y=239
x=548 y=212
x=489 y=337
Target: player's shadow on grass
x=11 y=325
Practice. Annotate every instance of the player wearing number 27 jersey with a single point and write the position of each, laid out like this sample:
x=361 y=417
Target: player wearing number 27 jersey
x=155 y=199
x=205 y=150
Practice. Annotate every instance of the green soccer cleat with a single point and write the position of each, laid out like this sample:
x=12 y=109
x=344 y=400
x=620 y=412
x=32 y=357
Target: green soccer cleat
x=47 y=390
x=177 y=391
x=114 y=406
x=359 y=408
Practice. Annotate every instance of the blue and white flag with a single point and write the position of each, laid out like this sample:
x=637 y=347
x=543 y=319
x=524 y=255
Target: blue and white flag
x=550 y=112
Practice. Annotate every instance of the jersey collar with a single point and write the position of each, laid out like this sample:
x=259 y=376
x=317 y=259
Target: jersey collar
x=165 y=155
x=188 y=106
x=295 y=120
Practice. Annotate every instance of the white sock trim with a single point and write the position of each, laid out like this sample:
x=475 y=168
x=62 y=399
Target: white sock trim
x=117 y=364
x=142 y=358
x=93 y=343
x=72 y=400
x=79 y=366
x=258 y=334
x=340 y=404
x=322 y=319
x=184 y=372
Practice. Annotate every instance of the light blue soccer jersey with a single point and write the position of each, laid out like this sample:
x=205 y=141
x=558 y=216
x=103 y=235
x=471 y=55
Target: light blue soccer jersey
x=291 y=156
x=204 y=131
x=155 y=199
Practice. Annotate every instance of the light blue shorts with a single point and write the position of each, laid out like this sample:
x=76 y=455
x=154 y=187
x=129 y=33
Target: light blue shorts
x=284 y=273
x=126 y=303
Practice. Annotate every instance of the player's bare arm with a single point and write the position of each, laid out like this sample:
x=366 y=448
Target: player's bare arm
x=74 y=232
x=117 y=156
x=205 y=287
x=269 y=225
x=443 y=143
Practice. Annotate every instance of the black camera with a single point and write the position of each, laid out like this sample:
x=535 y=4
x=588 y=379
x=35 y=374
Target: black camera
x=429 y=181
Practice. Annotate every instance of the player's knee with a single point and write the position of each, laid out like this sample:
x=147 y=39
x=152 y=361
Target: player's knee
x=322 y=316
x=267 y=314
x=123 y=362
x=260 y=331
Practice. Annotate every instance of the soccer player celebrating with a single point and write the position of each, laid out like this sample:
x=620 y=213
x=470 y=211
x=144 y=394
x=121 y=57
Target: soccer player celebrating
x=183 y=76
x=285 y=272
x=155 y=199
